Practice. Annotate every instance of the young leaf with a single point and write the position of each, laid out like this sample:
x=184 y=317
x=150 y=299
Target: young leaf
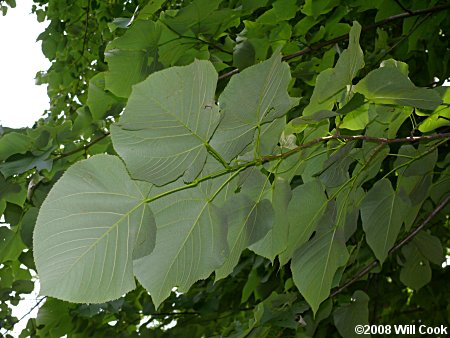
x=92 y=224
x=167 y=123
x=315 y=263
x=382 y=214
x=252 y=98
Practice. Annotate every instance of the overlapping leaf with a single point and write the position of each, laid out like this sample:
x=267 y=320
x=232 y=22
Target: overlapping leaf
x=305 y=211
x=252 y=98
x=191 y=240
x=382 y=214
x=90 y=227
x=250 y=216
x=277 y=237
x=168 y=121
x=315 y=264
x=388 y=85
x=331 y=81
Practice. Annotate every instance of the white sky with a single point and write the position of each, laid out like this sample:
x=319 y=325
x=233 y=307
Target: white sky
x=21 y=101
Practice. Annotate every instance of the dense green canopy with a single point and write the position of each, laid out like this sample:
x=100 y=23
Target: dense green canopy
x=231 y=168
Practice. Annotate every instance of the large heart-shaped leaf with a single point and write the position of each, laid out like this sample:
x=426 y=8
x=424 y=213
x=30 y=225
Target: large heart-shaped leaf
x=168 y=121
x=254 y=97
x=191 y=239
x=92 y=224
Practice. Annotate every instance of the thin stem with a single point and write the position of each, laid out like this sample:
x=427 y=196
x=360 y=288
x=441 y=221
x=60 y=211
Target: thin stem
x=83 y=148
x=345 y=37
x=26 y=314
x=265 y=159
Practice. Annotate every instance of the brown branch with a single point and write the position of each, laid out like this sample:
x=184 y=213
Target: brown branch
x=345 y=37
x=83 y=148
x=399 y=245
x=354 y=138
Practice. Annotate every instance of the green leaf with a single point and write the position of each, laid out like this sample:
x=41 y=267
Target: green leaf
x=441 y=116
x=416 y=271
x=382 y=214
x=412 y=162
x=53 y=318
x=100 y=101
x=348 y=316
x=169 y=119
x=126 y=68
x=249 y=215
x=150 y=9
x=191 y=16
x=40 y=162
x=388 y=85
x=316 y=8
x=11 y=245
x=92 y=224
x=305 y=211
x=252 y=98
x=276 y=239
x=430 y=247
x=331 y=81
x=14 y=143
x=281 y=10
x=191 y=239
x=315 y=263
x=27 y=226
x=134 y=55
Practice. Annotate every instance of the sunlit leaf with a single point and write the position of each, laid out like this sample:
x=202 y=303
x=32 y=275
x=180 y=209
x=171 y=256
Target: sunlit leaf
x=91 y=225
x=252 y=98
x=168 y=121
x=191 y=240
x=388 y=85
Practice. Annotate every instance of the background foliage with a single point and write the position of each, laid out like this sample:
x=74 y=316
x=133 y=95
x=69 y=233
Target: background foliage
x=334 y=214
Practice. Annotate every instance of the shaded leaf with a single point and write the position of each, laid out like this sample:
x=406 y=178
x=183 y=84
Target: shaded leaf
x=416 y=271
x=14 y=143
x=430 y=247
x=276 y=239
x=305 y=211
x=249 y=215
x=382 y=214
x=348 y=316
x=315 y=263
